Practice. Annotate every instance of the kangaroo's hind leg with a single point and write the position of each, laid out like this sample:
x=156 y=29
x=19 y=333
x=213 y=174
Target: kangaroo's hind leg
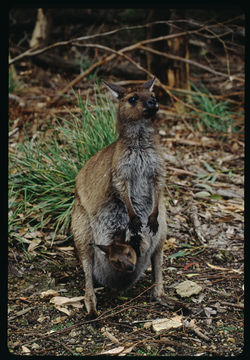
x=157 y=256
x=83 y=239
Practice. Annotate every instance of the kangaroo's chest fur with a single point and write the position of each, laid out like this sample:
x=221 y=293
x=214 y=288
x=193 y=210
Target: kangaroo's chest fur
x=140 y=164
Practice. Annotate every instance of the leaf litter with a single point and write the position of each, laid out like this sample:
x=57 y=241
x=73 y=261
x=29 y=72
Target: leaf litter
x=205 y=243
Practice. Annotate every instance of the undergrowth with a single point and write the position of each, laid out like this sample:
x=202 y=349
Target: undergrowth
x=42 y=173
x=215 y=116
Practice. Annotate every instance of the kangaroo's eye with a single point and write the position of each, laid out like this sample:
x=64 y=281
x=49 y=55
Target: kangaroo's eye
x=132 y=100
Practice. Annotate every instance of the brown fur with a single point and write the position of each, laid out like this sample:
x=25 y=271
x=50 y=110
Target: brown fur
x=120 y=189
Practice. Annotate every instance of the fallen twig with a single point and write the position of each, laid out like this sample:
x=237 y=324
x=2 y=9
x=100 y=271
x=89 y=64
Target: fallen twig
x=103 y=316
x=192 y=326
x=237 y=306
x=193 y=213
x=63 y=345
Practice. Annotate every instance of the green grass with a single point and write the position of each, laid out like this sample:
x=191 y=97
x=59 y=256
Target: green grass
x=215 y=116
x=42 y=173
x=15 y=85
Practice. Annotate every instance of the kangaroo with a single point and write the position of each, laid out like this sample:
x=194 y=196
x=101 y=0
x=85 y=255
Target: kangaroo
x=121 y=189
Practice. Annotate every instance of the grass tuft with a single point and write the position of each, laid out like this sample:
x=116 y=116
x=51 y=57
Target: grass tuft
x=215 y=116
x=42 y=173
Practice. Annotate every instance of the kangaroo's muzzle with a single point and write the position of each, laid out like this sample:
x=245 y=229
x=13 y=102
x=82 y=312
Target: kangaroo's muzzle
x=150 y=108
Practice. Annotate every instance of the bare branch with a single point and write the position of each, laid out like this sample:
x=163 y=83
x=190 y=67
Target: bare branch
x=191 y=62
x=33 y=52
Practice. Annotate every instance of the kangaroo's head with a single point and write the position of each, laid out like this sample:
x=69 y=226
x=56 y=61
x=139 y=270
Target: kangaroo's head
x=121 y=255
x=136 y=103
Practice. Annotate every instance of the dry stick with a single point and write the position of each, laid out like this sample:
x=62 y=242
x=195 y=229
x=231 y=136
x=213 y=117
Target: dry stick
x=224 y=45
x=191 y=62
x=119 y=52
x=33 y=52
x=81 y=76
x=98 y=63
x=197 y=331
x=129 y=48
x=188 y=105
x=101 y=317
x=63 y=345
x=193 y=213
x=238 y=306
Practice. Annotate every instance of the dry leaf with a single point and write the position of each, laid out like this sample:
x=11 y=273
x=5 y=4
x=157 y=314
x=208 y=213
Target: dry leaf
x=77 y=305
x=187 y=288
x=224 y=269
x=114 y=351
x=48 y=294
x=126 y=351
x=209 y=311
x=59 y=319
x=111 y=337
x=231 y=207
x=63 y=309
x=41 y=318
x=33 y=245
x=62 y=300
x=65 y=248
x=25 y=349
x=166 y=324
x=24 y=311
x=147 y=325
x=169 y=244
x=33 y=234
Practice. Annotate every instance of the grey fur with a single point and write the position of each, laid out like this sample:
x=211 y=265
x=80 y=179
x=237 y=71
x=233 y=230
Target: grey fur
x=134 y=166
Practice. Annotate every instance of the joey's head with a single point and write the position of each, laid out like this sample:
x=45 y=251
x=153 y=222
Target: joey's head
x=136 y=103
x=121 y=255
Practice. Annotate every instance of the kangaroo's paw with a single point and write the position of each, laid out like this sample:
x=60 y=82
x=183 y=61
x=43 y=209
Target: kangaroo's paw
x=135 y=225
x=153 y=223
x=91 y=315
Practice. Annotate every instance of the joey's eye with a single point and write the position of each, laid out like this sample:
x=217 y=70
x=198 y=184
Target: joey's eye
x=129 y=254
x=132 y=100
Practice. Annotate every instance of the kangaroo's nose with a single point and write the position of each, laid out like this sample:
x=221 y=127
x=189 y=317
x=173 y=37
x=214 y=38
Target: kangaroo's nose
x=130 y=267
x=152 y=104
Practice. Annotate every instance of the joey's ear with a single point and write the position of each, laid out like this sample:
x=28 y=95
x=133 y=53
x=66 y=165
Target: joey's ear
x=116 y=91
x=120 y=236
x=149 y=84
x=104 y=248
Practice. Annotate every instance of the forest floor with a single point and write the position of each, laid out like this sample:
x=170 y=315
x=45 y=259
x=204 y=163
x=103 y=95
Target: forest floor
x=205 y=245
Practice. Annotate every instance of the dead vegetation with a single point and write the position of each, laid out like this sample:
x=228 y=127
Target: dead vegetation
x=204 y=196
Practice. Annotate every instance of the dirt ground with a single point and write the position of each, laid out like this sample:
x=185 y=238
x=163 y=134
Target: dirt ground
x=205 y=245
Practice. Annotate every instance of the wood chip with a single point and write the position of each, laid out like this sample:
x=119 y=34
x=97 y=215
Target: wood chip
x=48 y=294
x=188 y=288
x=161 y=325
x=111 y=337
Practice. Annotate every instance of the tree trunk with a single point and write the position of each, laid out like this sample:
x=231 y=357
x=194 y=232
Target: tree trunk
x=171 y=72
x=41 y=30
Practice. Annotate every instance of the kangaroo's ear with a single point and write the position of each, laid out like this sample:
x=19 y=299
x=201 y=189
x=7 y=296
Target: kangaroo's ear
x=149 y=84
x=116 y=91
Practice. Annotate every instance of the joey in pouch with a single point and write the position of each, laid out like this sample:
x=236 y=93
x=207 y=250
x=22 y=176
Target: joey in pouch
x=118 y=217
